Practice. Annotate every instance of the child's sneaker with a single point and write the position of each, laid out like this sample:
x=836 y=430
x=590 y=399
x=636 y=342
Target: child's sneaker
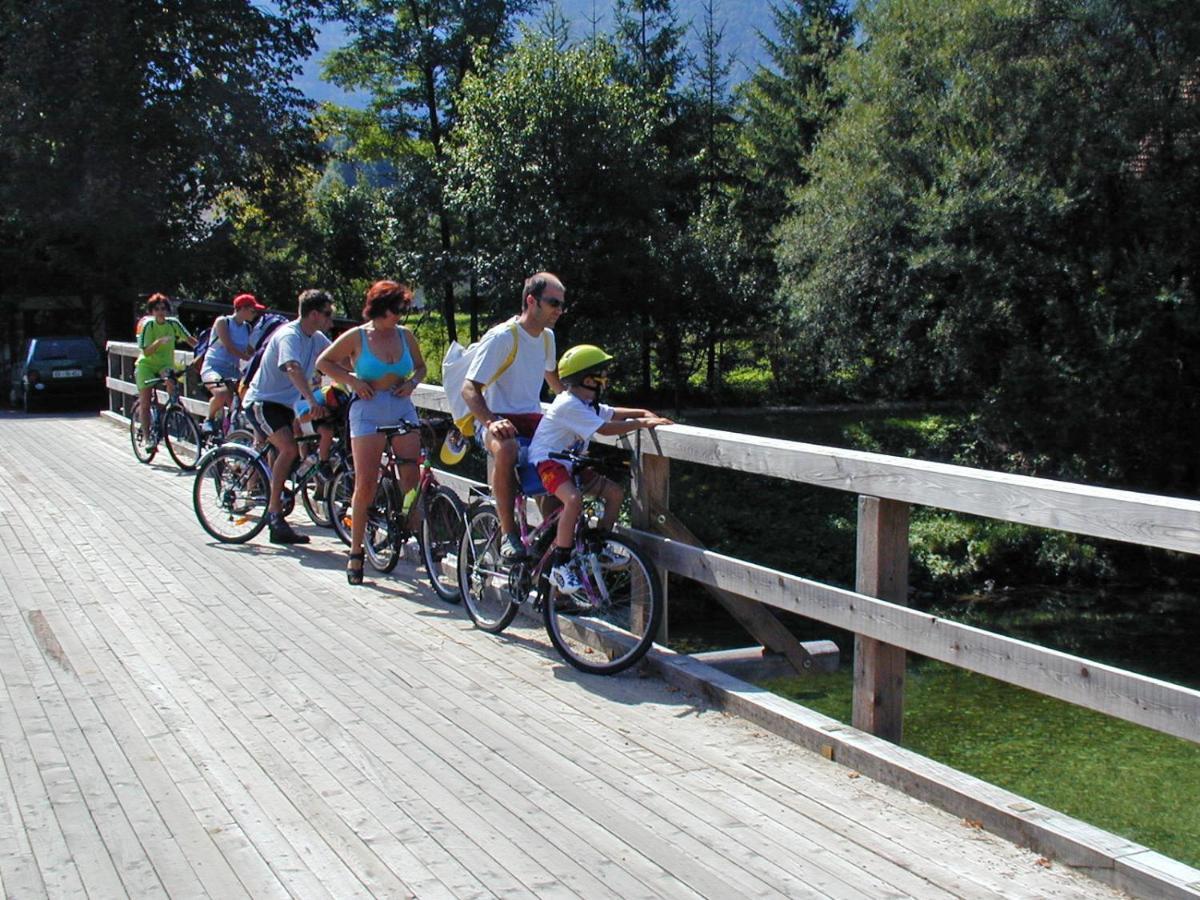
x=511 y=549
x=565 y=579
x=610 y=557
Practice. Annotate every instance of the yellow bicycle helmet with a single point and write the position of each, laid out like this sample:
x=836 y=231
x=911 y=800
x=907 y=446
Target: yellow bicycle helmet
x=581 y=361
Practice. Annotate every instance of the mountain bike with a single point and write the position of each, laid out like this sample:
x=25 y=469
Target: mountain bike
x=605 y=627
x=171 y=424
x=233 y=425
x=431 y=512
x=233 y=486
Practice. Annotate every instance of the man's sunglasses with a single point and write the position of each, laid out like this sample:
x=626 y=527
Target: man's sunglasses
x=552 y=301
x=159 y=306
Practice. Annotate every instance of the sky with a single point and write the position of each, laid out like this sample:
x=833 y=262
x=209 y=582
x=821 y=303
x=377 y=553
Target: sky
x=742 y=21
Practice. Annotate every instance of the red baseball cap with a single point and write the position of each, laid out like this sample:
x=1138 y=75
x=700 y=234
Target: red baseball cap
x=241 y=301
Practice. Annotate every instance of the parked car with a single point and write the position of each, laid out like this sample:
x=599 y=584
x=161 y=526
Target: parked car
x=58 y=367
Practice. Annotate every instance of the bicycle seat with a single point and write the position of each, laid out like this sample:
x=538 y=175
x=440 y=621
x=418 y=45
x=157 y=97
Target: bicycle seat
x=527 y=476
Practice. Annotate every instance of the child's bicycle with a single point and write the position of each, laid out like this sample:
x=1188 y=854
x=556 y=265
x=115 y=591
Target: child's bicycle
x=606 y=626
x=233 y=486
x=171 y=424
x=431 y=512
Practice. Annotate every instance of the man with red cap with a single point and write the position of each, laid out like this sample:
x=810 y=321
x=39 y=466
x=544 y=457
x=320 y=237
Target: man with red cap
x=229 y=346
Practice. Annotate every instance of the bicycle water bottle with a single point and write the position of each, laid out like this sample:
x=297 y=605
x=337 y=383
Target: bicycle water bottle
x=306 y=467
x=409 y=499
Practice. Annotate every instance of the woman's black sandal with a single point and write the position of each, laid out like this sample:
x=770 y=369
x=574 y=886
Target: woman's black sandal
x=355 y=575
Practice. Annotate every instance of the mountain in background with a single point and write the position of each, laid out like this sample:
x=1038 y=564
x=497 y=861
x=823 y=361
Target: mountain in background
x=742 y=21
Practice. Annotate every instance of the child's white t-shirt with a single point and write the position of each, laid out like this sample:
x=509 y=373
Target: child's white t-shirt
x=567 y=423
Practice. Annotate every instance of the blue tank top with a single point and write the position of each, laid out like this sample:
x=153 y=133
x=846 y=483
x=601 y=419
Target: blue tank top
x=370 y=367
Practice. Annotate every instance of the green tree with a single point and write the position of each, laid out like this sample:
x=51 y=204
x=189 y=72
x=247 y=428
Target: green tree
x=1005 y=211
x=122 y=123
x=413 y=57
x=553 y=160
x=783 y=108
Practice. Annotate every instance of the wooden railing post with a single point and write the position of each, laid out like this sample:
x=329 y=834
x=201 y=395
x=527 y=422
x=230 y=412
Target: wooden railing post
x=882 y=571
x=651 y=497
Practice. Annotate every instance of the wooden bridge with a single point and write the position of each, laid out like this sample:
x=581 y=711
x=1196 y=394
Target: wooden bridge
x=183 y=718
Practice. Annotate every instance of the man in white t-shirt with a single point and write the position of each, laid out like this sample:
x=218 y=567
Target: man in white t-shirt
x=511 y=404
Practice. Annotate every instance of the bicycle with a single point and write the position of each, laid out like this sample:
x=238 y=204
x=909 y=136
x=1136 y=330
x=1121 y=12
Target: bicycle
x=431 y=512
x=171 y=424
x=233 y=486
x=233 y=425
x=605 y=627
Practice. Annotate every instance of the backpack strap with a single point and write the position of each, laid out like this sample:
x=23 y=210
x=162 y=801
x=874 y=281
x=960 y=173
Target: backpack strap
x=509 y=360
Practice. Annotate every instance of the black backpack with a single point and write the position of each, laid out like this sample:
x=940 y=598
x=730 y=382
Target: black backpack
x=271 y=321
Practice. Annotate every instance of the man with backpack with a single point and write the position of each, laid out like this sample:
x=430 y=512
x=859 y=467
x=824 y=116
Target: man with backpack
x=503 y=387
x=284 y=378
x=222 y=351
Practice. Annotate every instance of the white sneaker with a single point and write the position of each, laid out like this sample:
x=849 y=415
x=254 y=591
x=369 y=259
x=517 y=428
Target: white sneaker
x=565 y=579
x=610 y=557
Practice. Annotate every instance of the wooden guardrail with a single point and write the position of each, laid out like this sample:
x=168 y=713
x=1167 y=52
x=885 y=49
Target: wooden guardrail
x=875 y=611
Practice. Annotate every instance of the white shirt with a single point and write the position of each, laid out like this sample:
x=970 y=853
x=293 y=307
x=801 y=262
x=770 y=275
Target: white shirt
x=567 y=423
x=519 y=389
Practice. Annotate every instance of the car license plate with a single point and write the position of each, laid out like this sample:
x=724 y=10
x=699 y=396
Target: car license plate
x=68 y=373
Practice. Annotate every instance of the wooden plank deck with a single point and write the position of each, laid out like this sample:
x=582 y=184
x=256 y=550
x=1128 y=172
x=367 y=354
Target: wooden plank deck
x=186 y=719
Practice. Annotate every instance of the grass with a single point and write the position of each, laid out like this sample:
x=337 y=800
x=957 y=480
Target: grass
x=1121 y=777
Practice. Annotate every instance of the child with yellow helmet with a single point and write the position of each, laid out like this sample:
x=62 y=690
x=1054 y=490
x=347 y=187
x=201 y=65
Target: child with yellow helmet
x=575 y=415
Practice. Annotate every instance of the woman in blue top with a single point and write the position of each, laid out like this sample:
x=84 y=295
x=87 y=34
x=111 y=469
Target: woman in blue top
x=381 y=362
x=228 y=348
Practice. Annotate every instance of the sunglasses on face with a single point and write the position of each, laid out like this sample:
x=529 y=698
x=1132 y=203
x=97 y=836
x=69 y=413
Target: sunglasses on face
x=158 y=306
x=553 y=301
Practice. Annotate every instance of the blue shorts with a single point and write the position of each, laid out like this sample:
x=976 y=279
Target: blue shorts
x=385 y=408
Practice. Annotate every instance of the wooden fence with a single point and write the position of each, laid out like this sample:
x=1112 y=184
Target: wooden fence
x=885 y=630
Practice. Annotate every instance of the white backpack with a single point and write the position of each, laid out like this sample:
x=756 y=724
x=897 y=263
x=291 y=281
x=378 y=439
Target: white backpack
x=455 y=365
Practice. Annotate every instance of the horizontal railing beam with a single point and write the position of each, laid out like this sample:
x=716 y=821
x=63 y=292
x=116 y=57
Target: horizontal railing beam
x=1153 y=521
x=1136 y=698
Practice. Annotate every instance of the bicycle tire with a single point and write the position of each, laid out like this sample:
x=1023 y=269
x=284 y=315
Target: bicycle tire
x=242 y=436
x=483 y=584
x=340 y=499
x=441 y=534
x=381 y=537
x=313 y=493
x=182 y=437
x=624 y=616
x=137 y=437
x=230 y=494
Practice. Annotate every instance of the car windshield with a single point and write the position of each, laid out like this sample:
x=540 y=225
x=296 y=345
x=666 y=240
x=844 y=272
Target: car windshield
x=81 y=349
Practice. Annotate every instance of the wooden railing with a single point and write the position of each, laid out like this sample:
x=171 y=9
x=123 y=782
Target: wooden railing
x=885 y=629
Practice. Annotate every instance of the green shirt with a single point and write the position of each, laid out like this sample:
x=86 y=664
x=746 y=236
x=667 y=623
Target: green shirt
x=151 y=331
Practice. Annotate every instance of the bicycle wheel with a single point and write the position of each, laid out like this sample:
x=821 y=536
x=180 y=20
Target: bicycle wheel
x=315 y=493
x=242 y=436
x=381 y=538
x=610 y=623
x=341 y=495
x=441 y=532
x=138 y=437
x=482 y=581
x=182 y=437
x=230 y=494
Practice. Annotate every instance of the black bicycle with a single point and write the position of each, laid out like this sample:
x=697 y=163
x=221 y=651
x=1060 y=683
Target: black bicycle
x=606 y=626
x=171 y=424
x=233 y=486
x=431 y=512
